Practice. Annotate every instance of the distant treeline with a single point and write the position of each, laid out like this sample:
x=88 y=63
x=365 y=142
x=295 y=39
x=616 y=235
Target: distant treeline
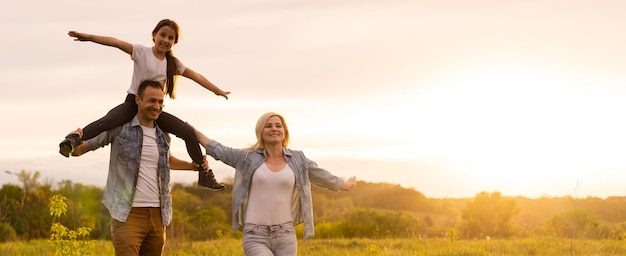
x=371 y=210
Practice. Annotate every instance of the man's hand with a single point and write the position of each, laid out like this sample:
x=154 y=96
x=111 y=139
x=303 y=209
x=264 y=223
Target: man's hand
x=78 y=131
x=205 y=164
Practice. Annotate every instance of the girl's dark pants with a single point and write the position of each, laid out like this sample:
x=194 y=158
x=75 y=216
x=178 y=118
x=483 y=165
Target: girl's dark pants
x=125 y=112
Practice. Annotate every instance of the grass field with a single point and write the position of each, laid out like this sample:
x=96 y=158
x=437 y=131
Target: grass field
x=339 y=247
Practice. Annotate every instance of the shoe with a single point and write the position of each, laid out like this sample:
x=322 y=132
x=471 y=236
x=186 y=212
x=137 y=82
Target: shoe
x=71 y=141
x=207 y=179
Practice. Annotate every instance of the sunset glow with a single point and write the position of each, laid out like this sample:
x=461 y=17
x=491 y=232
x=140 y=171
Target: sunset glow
x=450 y=98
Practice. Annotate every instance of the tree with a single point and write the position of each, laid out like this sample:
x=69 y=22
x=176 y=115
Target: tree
x=329 y=210
x=380 y=224
x=577 y=223
x=11 y=203
x=195 y=219
x=7 y=233
x=27 y=216
x=489 y=215
x=29 y=179
x=32 y=222
x=84 y=208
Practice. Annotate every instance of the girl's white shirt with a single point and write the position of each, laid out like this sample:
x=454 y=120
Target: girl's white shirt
x=148 y=67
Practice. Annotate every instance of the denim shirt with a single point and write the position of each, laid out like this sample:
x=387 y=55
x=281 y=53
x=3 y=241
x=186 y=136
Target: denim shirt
x=305 y=172
x=126 y=142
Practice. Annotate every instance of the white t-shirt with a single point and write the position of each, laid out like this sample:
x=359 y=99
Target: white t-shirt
x=270 y=196
x=147 y=191
x=148 y=67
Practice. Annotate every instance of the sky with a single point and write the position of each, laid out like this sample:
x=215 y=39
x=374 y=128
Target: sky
x=450 y=98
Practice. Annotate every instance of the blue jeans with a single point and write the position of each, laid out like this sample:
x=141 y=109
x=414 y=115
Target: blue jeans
x=274 y=240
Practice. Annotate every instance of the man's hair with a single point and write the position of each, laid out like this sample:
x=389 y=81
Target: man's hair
x=148 y=83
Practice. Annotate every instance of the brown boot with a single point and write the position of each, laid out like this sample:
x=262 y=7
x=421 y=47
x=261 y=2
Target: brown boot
x=67 y=146
x=207 y=179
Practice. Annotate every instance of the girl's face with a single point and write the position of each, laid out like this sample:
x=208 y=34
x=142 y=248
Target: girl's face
x=164 y=39
x=273 y=132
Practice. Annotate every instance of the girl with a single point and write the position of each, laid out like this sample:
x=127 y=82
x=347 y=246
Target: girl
x=151 y=63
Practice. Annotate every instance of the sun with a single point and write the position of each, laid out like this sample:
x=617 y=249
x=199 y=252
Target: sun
x=503 y=125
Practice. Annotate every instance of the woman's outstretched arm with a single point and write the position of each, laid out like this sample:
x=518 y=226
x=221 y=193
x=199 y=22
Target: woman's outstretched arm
x=203 y=139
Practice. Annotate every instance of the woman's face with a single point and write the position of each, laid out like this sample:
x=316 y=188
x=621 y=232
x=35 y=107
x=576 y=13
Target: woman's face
x=273 y=131
x=164 y=38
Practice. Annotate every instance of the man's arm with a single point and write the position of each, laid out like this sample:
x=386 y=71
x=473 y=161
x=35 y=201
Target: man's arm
x=178 y=164
x=81 y=149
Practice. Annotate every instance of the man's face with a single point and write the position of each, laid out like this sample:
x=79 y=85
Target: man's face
x=150 y=105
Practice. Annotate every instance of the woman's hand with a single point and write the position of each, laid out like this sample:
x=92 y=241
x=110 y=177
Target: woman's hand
x=349 y=184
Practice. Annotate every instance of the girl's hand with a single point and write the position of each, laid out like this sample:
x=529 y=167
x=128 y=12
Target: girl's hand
x=223 y=94
x=78 y=36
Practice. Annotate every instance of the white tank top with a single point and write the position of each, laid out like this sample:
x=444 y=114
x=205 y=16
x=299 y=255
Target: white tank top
x=270 y=196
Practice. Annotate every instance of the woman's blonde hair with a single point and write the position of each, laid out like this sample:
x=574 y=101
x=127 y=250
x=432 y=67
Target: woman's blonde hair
x=260 y=124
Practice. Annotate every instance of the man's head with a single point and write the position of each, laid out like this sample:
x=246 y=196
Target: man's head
x=149 y=101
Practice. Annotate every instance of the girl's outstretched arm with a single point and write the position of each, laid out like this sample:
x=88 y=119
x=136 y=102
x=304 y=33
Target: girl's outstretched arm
x=201 y=80
x=103 y=40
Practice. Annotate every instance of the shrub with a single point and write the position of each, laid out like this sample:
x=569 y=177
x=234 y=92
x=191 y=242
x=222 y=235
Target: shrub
x=64 y=240
x=7 y=233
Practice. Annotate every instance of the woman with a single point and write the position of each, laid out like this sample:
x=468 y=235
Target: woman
x=272 y=188
x=151 y=63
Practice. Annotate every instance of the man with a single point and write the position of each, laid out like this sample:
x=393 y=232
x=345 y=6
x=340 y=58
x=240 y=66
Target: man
x=137 y=192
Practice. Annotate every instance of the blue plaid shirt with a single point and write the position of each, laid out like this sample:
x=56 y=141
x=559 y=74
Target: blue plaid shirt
x=126 y=142
x=305 y=171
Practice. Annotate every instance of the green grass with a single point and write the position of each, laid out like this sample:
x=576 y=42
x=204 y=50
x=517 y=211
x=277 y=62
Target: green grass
x=340 y=247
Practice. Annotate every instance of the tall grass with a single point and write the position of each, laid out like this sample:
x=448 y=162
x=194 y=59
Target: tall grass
x=43 y=247
x=366 y=247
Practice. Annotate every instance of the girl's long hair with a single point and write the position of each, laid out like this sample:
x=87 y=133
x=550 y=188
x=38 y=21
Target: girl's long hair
x=170 y=80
